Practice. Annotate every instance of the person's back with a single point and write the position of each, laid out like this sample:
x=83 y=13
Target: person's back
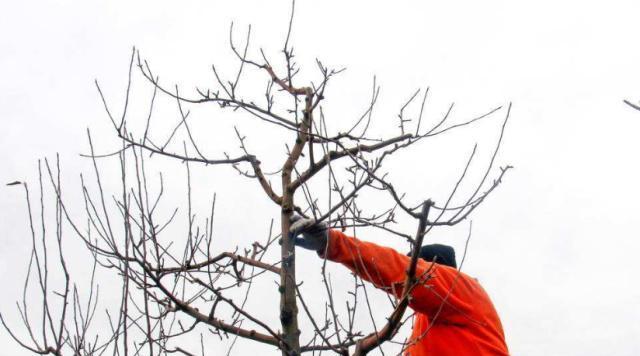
x=474 y=331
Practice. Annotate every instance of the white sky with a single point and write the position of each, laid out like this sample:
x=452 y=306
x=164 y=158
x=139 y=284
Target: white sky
x=556 y=246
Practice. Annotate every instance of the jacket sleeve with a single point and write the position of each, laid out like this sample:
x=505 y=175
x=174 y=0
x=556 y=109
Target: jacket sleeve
x=442 y=290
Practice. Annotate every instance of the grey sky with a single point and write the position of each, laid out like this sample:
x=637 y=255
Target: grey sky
x=556 y=245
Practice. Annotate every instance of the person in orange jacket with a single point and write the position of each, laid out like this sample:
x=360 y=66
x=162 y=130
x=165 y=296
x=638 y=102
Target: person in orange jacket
x=453 y=313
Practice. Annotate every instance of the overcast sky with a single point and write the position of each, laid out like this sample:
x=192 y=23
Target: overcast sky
x=556 y=245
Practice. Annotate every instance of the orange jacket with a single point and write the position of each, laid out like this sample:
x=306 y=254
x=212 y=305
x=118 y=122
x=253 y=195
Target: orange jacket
x=454 y=315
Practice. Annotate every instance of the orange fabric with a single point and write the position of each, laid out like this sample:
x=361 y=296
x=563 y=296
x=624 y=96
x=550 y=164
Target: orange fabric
x=454 y=315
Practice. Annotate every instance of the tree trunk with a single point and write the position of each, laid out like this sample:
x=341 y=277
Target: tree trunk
x=288 y=307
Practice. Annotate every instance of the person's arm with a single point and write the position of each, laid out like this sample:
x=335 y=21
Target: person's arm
x=443 y=291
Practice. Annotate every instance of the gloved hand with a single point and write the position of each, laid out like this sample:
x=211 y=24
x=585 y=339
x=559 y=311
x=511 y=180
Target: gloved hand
x=314 y=234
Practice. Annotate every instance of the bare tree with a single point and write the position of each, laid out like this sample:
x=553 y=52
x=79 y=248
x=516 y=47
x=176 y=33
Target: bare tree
x=174 y=288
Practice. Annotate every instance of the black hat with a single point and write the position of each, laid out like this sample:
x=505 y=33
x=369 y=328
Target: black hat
x=442 y=254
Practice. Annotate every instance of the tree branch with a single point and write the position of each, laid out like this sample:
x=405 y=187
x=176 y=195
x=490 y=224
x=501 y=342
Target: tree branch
x=377 y=338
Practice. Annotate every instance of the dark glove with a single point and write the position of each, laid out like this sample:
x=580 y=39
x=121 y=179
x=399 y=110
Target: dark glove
x=314 y=234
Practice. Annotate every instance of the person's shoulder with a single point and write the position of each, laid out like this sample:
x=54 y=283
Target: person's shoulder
x=457 y=274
